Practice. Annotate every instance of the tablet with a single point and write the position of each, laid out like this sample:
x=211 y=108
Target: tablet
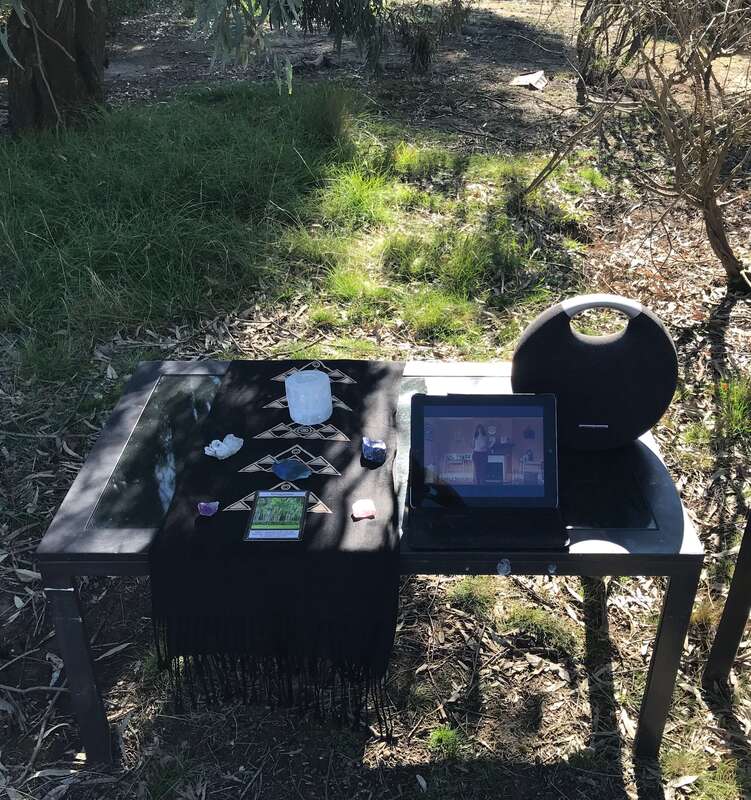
x=484 y=450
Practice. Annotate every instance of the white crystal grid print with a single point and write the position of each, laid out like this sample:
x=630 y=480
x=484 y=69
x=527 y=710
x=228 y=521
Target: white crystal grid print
x=335 y=375
x=315 y=506
x=285 y=430
x=317 y=464
x=281 y=402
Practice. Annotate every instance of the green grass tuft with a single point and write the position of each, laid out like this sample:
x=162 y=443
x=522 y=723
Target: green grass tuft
x=544 y=629
x=475 y=594
x=417 y=162
x=445 y=742
x=696 y=434
x=511 y=171
x=476 y=261
x=433 y=314
x=734 y=400
x=318 y=249
x=350 y=347
x=406 y=255
x=355 y=200
x=593 y=177
x=349 y=283
x=726 y=781
x=466 y=264
x=324 y=317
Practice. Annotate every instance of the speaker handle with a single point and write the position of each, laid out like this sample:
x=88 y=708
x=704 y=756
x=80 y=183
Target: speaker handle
x=575 y=305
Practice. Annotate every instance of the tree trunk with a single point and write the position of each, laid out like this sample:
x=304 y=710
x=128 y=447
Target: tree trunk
x=62 y=55
x=714 y=222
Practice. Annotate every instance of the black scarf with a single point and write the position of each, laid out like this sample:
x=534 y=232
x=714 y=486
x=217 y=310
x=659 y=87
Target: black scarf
x=308 y=623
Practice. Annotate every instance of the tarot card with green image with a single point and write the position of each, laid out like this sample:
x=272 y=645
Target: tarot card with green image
x=278 y=516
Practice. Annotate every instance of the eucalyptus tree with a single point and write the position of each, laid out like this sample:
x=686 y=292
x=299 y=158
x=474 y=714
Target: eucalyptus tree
x=56 y=53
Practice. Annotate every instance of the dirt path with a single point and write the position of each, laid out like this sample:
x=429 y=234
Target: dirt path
x=153 y=55
x=156 y=54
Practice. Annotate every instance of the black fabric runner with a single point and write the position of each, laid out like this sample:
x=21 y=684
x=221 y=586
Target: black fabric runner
x=310 y=622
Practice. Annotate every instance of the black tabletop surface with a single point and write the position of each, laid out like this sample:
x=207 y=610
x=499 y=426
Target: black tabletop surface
x=623 y=505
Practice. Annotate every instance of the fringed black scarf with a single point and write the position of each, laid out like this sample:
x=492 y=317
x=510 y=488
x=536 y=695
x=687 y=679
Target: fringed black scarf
x=307 y=623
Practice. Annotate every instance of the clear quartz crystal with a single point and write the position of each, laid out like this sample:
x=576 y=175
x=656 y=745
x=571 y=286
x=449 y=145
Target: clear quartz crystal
x=309 y=396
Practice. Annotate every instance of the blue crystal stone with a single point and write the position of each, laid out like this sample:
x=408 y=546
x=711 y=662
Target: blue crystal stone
x=291 y=469
x=373 y=450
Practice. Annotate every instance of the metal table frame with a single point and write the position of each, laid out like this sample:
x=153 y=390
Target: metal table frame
x=70 y=549
x=734 y=616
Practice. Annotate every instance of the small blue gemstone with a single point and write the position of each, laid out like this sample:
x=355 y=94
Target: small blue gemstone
x=373 y=450
x=291 y=469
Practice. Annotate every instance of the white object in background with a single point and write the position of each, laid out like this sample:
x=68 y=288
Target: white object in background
x=532 y=80
x=309 y=396
x=222 y=449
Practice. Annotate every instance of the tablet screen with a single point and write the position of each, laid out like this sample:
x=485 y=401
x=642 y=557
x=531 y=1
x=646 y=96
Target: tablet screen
x=485 y=452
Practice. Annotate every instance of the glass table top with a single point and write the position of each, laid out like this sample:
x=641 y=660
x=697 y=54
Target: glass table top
x=142 y=485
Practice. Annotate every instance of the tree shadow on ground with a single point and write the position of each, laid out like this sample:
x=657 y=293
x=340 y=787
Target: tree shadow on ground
x=717 y=692
x=276 y=753
x=714 y=330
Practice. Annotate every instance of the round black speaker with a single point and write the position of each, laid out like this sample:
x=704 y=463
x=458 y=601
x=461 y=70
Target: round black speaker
x=610 y=389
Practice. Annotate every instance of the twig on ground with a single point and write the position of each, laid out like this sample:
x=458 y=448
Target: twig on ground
x=42 y=731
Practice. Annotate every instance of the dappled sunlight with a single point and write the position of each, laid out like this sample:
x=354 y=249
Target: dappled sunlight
x=370 y=218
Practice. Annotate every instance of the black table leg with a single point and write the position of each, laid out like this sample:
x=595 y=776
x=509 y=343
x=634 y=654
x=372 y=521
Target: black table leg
x=734 y=616
x=73 y=642
x=666 y=657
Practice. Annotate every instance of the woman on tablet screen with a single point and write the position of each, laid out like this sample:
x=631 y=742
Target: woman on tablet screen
x=480 y=454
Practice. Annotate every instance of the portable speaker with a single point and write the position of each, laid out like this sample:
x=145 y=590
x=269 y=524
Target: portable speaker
x=610 y=389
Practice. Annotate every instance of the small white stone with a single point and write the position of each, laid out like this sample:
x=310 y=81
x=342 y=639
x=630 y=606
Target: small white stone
x=225 y=448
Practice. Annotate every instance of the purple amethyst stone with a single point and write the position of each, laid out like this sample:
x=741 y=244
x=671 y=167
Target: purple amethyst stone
x=208 y=509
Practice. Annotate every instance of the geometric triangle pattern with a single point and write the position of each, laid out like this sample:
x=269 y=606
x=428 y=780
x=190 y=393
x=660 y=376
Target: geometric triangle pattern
x=317 y=464
x=335 y=375
x=286 y=430
x=315 y=506
x=281 y=402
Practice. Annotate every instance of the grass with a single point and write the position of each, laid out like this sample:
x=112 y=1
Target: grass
x=445 y=742
x=544 y=629
x=467 y=264
x=154 y=209
x=437 y=315
x=475 y=594
x=734 y=406
x=172 y=211
x=725 y=781
x=696 y=434
x=513 y=172
x=354 y=200
x=418 y=162
x=165 y=777
x=324 y=317
x=406 y=256
x=578 y=180
x=305 y=249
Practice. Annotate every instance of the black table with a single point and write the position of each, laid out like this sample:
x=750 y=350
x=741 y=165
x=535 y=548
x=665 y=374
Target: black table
x=117 y=502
